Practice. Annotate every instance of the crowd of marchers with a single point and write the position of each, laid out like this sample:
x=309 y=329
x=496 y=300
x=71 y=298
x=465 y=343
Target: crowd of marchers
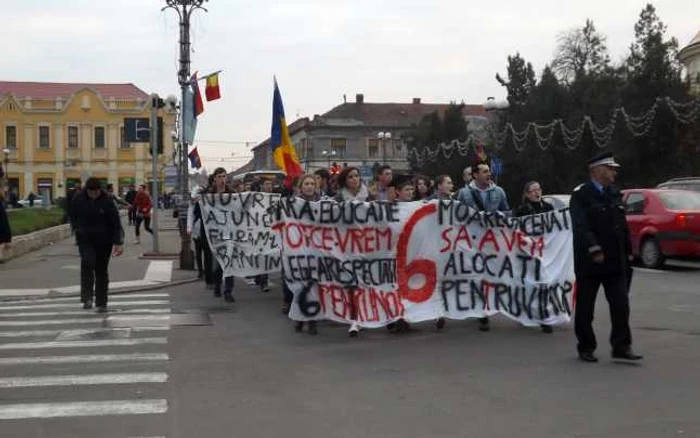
x=602 y=254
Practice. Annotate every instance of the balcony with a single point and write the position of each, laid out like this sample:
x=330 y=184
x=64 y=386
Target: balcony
x=99 y=154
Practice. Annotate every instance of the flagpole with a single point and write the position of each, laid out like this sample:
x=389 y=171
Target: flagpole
x=204 y=78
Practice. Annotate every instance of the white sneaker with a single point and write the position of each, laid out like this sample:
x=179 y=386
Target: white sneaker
x=354 y=329
x=137 y=241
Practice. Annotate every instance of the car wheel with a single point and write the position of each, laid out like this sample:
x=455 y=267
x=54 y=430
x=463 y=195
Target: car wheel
x=650 y=254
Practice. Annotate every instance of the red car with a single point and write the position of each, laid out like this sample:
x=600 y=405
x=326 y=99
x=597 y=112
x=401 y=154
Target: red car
x=663 y=223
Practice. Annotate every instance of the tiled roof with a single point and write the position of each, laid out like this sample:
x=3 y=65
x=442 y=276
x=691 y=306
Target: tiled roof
x=394 y=114
x=52 y=90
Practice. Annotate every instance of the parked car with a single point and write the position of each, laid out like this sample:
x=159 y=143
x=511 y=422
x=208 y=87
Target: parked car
x=663 y=223
x=689 y=183
x=557 y=201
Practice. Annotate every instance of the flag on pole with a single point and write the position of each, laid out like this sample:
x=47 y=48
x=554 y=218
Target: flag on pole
x=195 y=160
x=480 y=152
x=189 y=118
x=281 y=145
x=212 y=89
x=198 y=103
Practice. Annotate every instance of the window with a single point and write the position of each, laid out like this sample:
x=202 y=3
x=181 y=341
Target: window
x=122 y=139
x=634 y=204
x=44 y=141
x=338 y=146
x=73 y=137
x=99 y=137
x=373 y=148
x=682 y=200
x=11 y=137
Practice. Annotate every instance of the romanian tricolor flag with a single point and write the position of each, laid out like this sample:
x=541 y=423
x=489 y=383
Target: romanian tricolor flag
x=281 y=146
x=198 y=103
x=195 y=160
x=212 y=89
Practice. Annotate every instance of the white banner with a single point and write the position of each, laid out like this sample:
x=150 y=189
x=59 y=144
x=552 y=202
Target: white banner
x=378 y=262
x=239 y=230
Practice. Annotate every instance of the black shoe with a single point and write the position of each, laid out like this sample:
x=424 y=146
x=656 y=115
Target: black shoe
x=626 y=355
x=217 y=293
x=312 y=328
x=391 y=326
x=266 y=289
x=101 y=309
x=484 y=325
x=546 y=328
x=440 y=323
x=587 y=356
x=229 y=298
x=298 y=326
x=402 y=326
x=87 y=304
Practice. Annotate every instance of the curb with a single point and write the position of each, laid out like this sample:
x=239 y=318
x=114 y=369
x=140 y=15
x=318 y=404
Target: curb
x=53 y=294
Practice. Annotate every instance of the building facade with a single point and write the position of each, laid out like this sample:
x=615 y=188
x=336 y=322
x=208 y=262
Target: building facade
x=54 y=136
x=690 y=57
x=349 y=134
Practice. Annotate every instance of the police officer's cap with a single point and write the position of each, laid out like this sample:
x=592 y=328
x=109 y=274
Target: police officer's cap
x=605 y=159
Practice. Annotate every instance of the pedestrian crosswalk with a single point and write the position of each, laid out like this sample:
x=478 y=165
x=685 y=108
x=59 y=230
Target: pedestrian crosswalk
x=65 y=371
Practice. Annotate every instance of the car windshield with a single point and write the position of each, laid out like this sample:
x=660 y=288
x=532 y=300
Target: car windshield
x=680 y=200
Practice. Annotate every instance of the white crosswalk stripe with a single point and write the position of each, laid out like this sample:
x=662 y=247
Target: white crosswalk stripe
x=124 y=348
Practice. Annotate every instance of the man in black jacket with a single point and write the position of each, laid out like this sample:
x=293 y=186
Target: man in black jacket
x=98 y=230
x=602 y=255
x=129 y=198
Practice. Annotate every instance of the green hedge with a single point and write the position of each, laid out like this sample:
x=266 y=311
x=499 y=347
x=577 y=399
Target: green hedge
x=28 y=220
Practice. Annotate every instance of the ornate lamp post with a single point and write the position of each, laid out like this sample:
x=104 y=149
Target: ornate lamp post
x=4 y=171
x=184 y=9
x=384 y=138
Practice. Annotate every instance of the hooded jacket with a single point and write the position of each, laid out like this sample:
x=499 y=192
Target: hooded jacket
x=96 y=221
x=493 y=199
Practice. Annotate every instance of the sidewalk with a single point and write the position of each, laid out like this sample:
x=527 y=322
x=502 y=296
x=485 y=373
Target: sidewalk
x=55 y=269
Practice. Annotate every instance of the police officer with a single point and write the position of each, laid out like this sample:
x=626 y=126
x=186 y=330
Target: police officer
x=601 y=256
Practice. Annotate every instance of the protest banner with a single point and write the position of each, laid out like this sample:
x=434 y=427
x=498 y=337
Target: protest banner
x=238 y=227
x=377 y=262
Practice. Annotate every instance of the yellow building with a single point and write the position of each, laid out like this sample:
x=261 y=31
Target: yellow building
x=59 y=134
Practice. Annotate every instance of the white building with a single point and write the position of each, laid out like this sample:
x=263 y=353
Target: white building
x=690 y=57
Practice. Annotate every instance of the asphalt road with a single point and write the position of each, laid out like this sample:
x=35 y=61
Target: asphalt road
x=248 y=373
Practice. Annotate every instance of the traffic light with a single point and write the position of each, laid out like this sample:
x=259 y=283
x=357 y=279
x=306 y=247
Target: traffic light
x=158 y=103
x=335 y=169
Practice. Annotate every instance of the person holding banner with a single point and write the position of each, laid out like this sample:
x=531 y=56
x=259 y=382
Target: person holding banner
x=351 y=188
x=263 y=280
x=533 y=204
x=482 y=194
x=602 y=255
x=421 y=185
x=443 y=191
x=307 y=192
x=219 y=186
x=404 y=193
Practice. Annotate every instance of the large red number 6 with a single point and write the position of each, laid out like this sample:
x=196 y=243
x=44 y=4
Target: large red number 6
x=424 y=267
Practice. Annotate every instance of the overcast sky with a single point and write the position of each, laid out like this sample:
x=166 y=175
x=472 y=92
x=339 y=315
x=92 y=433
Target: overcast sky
x=391 y=51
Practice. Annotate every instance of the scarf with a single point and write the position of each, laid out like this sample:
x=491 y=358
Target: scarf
x=362 y=194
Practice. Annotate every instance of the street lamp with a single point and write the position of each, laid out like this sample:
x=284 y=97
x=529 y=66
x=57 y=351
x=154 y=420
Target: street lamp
x=384 y=137
x=5 y=177
x=328 y=155
x=184 y=9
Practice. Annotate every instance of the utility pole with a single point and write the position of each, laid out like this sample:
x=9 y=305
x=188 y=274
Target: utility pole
x=154 y=168
x=184 y=9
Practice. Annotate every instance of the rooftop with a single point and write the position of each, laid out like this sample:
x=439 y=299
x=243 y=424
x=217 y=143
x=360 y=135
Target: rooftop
x=53 y=90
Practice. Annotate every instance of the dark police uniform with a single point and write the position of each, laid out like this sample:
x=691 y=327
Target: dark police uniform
x=599 y=226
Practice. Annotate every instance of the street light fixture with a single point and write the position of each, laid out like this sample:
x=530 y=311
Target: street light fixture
x=384 y=137
x=5 y=177
x=328 y=155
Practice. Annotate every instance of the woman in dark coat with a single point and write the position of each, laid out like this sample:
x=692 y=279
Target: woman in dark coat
x=533 y=204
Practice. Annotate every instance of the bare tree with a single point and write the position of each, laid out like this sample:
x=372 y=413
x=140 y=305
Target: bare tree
x=580 y=51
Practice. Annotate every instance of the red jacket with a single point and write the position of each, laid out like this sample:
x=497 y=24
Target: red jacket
x=143 y=204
